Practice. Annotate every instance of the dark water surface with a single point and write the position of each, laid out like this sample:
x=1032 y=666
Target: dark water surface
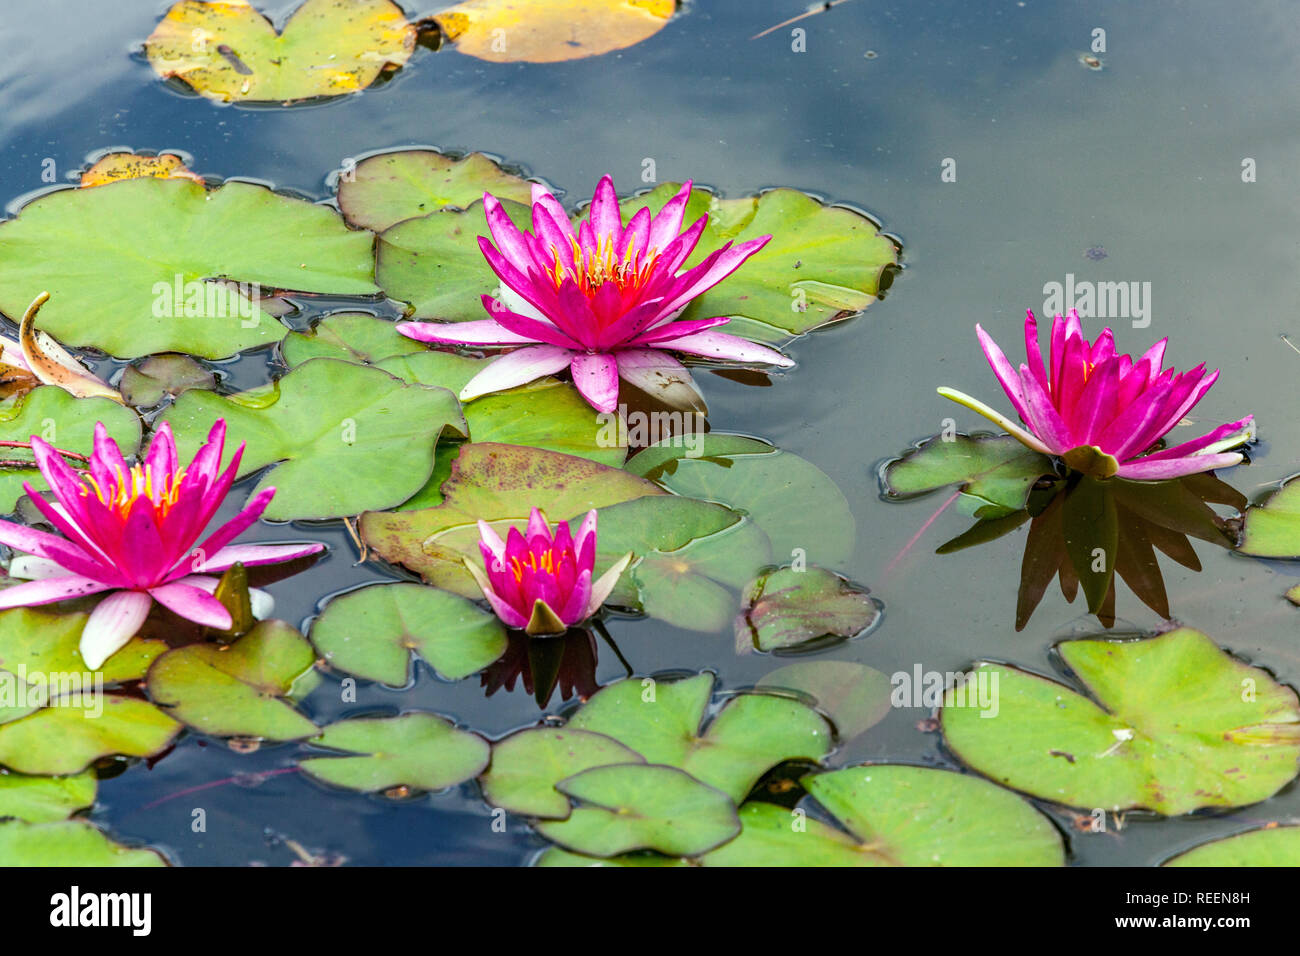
x=1140 y=159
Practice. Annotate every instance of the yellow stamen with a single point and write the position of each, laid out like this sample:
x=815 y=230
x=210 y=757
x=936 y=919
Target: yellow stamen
x=131 y=484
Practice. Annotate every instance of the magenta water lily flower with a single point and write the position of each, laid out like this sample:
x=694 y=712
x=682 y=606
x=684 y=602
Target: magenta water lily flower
x=1100 y=411
x=542 y=582
x=602 y=301
x=133 y=530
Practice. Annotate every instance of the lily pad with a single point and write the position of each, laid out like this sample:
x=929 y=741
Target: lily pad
x=66 y=843
x=802 y=511
x=1271 y=845
x=344 y=438
x=642 y=806
x=547 y=414
x=505 y=31
x=662 y=721
x=227 y=50
x=527 y=766
x=130 y=266
x=997 y=471
x=416 y=750
x=237 y=690
x=164 y=376
x=895 y=815
x=66 y=422
x=498 y=483
x=372 y=633
x=36 y=642
x=823 y=263
x=1178 y=724
x=352 y=336
x=387 y=188
x=76 y=729
x=558 y=857
x=1272 y=530
x=856 y=697
x=116 y=166
x=45 y=799
x=789 y=607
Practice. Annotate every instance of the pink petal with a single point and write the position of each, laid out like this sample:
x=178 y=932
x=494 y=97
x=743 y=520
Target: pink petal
x=1144 y=470
x=1196 y=444
x=720 y=345
x=517 y=367
x=193 y=604
x=252 y=555
x=604 y=214
x=113 y=623
x=476 y=332
x=50 y=590
x=1006 y=374
x=595 y=374
x=668 y=223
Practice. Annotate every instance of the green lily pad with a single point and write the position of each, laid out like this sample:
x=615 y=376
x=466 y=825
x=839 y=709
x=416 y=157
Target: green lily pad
x=344 y=438
x=45 y=799
x=1266 y=846
x=163 y=376
x=372 y=633
x=66 y=843
x=237 y=690
x=998 y=471
x=229 y=51
x=498 y=483
x=558 y=857
x=802 y=511
x=66 y=422
x=527 y=766
x=856 y=697
x=1178 y=724
x=546 y=414
x=823 y=263
x=1272 y=530
x=416 y=750
x=112 y=257
x=387 y=188
x=642 y=806
x=35 y=642
x=895 y=815
x=351 y=336
x=435 y=264
x=750 y=735
x=66 y=737
x=787 y=607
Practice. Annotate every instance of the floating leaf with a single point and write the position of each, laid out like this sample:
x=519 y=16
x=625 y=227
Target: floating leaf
x=130 y=266
x=750 y=735
x=351 y=336
x=527 y=766
x=68 y=422
x=347 y=438
x=1270 y=845
x=78 y=728
x=1178 y=724
x=823 y=263
x=789 y=607
x=115 y=166
x=639 y=806
x=1272 y=530
x=240 y=689
x=895 y=815
x=498 y=483
x=998 y=471
x=506 y=31
x=558 y=857
x=45 y=799
x=856 y=697
x=66 y=843
x=417 y=750
x=226 y=50
x=792 y=500
x=372 y=632
x=37 y=642
x=547 y=414
x=387 y=188
x=158 y=377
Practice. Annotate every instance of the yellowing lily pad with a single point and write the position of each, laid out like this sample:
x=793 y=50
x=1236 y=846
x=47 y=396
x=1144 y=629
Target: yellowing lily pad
x=417 y=750
x=1177 y=724
x=228 y=51
x=66 y=843
x=511 y=31
x=115 y=166
x=45 y=799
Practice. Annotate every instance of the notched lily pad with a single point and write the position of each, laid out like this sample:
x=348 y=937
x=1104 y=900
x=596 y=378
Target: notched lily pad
x=997 y=471
x=1272 y=530
x=527 y=767
x=1178 y=724
x=66 y=843
x=417 y=750
x=788 y=607
x=505 y=31
x=373 y=632
x=45 y=799
x=226 y=50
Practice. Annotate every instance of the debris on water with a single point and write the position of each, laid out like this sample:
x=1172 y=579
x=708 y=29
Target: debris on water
x=1091 y=62
x=1095 y=253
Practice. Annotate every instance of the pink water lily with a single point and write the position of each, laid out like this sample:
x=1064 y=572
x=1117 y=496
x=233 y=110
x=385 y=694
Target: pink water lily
x=542 y=582
x=132 y=530
x=1100 y=411
x=602 y=301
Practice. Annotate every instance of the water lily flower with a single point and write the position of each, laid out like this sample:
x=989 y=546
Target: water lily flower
x=602 y=301
x=132 y=530
x=541 y=581
x=1100 y=411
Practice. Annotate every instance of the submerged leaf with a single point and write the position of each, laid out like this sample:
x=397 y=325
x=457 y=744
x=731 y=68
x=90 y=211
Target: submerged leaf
x=147 y=383
x=789 y=607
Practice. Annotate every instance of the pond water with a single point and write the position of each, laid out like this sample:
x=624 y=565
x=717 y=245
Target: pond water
x=1131 y=172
